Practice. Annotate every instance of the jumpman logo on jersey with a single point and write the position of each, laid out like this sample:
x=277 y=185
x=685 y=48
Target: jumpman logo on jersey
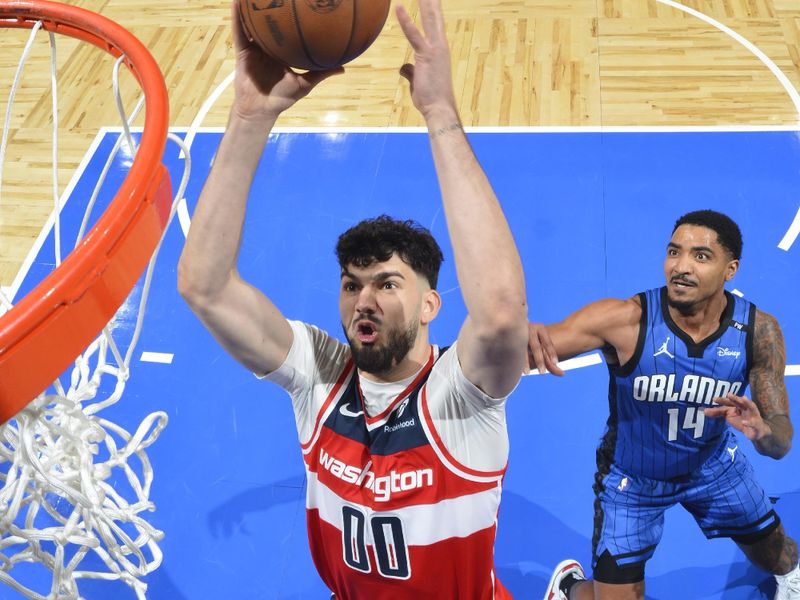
x=663 y=349
x=732 y=452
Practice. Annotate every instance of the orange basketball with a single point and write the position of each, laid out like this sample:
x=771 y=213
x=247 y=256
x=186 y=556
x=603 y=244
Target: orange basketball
x=314 y=34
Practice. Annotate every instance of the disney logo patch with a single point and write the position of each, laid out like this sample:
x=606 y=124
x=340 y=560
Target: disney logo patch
x=728 y=352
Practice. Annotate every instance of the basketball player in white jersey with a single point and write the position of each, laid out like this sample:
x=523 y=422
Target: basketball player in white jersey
x=404 y=443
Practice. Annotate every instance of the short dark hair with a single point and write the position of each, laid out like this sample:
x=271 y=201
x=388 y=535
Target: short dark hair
x=375 y=240
x=728 y=232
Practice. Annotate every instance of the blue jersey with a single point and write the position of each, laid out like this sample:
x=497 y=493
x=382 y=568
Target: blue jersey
x=657 y=426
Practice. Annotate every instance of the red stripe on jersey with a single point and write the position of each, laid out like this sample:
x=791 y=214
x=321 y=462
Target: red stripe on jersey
x=348 y=368
x=410 y=388
x=453 y=568
x=426 y=414
x=385 y=482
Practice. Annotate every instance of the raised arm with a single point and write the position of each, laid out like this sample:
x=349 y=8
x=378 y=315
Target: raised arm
x=491 y=344
x=239 y=316
x=610 y=325
x=765 y=420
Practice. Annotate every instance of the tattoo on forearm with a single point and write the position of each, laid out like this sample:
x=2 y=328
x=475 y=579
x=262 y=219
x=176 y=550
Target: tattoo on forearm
x=767 y=385
x=779 y=443
x=442 y=130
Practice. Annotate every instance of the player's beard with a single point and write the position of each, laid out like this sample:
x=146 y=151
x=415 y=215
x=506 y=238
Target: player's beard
x=682 y=306
x=685 y=307
x=380 y=359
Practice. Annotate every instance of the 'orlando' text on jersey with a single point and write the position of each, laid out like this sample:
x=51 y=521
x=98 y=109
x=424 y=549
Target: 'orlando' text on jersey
x=657 y=425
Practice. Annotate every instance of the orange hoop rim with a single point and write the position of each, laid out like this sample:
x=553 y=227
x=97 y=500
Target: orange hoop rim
x=48 y=328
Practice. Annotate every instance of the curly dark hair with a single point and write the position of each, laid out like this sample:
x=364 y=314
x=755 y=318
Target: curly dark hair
x=375 y=240
x=728 y=233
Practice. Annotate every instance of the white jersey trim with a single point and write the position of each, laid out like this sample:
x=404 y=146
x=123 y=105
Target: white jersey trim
x=322 y=416
x=448 y=464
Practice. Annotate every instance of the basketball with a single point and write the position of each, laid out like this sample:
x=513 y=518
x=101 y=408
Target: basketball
x=314 y=34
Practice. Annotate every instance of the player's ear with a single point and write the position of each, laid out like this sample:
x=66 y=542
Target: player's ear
x=731 y=269
x=431 y=303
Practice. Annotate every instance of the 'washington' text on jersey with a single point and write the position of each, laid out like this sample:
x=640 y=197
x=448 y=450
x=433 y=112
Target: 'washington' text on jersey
x=384 y=486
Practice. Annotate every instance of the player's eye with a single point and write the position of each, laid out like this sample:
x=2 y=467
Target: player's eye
x=389 y=285
x=349 y=286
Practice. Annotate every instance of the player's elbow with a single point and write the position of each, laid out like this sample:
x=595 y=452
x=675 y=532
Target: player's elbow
x=196 y=288
x=506 y=319
x=783 y=452
x=780 y=450
x=504 y=330
x=188 y=286
x=786 y=446
x=783 y=431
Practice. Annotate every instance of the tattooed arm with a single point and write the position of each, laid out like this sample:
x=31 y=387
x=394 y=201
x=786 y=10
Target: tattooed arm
x=768 y=388
x=765 y=420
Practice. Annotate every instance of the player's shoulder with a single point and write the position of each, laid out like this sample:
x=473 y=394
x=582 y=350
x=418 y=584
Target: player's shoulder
x=768 y=347
x=315 y=341
x=766 y=327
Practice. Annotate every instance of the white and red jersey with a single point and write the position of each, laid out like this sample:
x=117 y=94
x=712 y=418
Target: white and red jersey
x=404 y=479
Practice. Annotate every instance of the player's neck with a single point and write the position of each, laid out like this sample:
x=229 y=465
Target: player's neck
x=411 y=363
x=702 y=319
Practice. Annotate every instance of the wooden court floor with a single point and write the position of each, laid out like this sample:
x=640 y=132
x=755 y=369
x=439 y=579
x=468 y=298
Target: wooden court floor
x=516 y=63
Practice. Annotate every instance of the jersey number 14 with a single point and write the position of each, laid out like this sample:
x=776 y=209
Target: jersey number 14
x=692 y=419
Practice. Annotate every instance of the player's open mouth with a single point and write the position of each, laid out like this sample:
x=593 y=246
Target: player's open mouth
x=366 y=332
x=682 y=283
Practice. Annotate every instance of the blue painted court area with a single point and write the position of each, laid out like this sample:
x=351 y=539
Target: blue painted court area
x=591 y=214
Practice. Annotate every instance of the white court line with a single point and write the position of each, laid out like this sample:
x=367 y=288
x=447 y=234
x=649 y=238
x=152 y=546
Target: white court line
x=791 y=235
x=794 y=228
x=509 y=129
x=204 y=110
x=48 y=226
x=183 y=211
x=157 y=357
x=595 y=359
x=768 y=62
x=575 y=363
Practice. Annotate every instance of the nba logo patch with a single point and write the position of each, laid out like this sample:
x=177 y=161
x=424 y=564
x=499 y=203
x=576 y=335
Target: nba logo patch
x=623 y=484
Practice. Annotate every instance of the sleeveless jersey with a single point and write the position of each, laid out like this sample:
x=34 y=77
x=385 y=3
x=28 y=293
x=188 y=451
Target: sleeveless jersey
x=657 y=427
x=391 y=514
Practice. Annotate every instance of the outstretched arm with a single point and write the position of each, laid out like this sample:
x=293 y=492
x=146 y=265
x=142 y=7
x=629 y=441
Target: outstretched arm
x=239 y=316
x=491 y=344
x=605 y=324
x=765 y=420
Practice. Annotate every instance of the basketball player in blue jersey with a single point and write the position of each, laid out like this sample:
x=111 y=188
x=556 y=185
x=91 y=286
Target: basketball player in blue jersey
x=680 y=359
x=404 y=444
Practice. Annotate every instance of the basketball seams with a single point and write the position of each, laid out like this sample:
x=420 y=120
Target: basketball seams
x=348 y=46
x=251 y=29
x=314 y=34
x=303 y=43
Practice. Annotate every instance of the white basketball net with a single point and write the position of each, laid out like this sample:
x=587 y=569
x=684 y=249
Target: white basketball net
x=75 y=485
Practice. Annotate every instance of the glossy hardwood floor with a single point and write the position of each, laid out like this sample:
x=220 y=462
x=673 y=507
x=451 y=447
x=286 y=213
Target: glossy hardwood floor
x=516 y=63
